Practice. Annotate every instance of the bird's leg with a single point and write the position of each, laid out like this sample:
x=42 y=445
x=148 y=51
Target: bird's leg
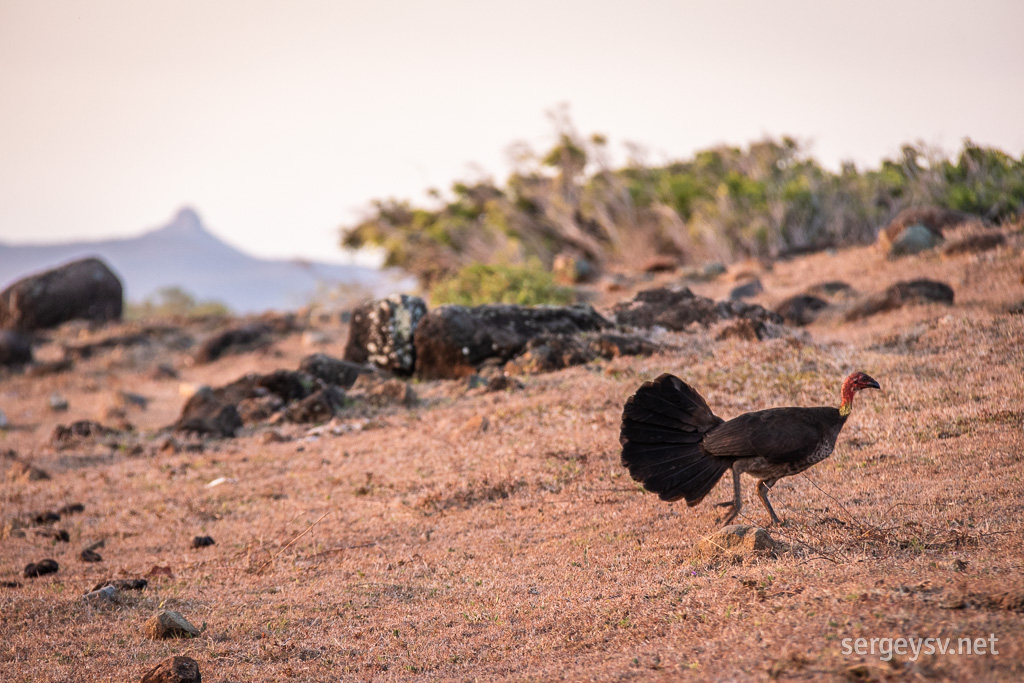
x=763 y=487
x=737 y=502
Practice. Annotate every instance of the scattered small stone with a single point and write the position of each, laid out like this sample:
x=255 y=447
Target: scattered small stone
x=105 y=594
x=174 y=670
x=131 y=400
x=90 y=555
x=59 y=535
x=747 y=290
x=10 y=584
x=47 y=517
x=71 y=509
x=41 y=568
x=164 y=371
x=3 y=420
x=202 y=541
x=122 y=584
x=169 y=624
x=58 y=403
x=391 y=392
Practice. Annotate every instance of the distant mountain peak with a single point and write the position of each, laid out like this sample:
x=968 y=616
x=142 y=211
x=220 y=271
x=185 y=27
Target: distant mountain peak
x=186 y=222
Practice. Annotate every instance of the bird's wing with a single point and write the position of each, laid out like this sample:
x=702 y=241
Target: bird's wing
x=778 y=435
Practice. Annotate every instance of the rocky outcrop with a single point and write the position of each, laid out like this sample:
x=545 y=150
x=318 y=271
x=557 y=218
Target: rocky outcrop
x=453 y=341
x=381 y=332
x=676 y=309
x=334 y=371
x=80 y=290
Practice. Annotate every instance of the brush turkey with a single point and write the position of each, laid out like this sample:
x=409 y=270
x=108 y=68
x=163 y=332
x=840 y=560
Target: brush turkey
x=676 y=447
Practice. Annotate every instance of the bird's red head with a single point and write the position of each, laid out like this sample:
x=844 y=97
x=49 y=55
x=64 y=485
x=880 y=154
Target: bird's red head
x=851 y=385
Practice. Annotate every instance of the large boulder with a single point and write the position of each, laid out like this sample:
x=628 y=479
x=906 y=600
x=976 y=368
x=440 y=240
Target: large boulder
x=382 y=331
x=453 y=341
x=206 y=414
x=676 y=309
x=85 y=289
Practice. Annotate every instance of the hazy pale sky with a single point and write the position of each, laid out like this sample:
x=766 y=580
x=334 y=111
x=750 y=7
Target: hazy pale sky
x=279 y=121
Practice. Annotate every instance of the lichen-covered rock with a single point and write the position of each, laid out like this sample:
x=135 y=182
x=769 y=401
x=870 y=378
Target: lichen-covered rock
x=80 y=290
x=453 y=341
x=381 y=332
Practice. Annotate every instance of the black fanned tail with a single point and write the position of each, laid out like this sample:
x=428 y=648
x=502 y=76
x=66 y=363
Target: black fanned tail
x=663 y=424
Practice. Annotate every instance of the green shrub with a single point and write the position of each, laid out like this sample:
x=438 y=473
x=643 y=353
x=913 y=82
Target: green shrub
x=479 y=283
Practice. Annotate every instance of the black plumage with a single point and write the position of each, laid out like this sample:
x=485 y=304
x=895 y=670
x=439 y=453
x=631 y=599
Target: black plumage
x=677 y=447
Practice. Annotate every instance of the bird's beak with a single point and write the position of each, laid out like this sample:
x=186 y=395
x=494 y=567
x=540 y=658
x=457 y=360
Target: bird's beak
x=871 y=384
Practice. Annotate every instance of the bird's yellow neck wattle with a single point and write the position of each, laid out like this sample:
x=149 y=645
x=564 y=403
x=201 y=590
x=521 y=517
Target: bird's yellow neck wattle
x=846 y=408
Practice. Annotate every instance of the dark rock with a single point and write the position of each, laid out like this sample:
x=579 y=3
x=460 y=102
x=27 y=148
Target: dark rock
x=907 y=292
x=80 y=430
x=48 y=517
x=973 y=241
x=747 y=290
x=10 y=584
x=331 y=370
x=391 y=392
x=204 y=413
x=122 y=584
x=41 y=568
x=164 y=371
x=71 y=509
x=47 y=368
x=169 y=624
x=234 y=340
x=453 y=341
x=801 y=309
x=320 y=406
x=610 y=345
x=90 y=555
x=58 y=403
x=381 y=332
x=503 y=383
x=744 y=329
x=174 y=670
x=59 y=535
x=85 y=289
x=288 y=385
x=832 y=289
x=660 y=264
x=675 y=309
x=254 y=410
x=550 y=352
x=15 y=348
x=202 y=541
x=922 y=291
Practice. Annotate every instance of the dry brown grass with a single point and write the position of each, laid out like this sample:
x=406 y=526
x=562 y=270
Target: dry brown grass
x=439 y=545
